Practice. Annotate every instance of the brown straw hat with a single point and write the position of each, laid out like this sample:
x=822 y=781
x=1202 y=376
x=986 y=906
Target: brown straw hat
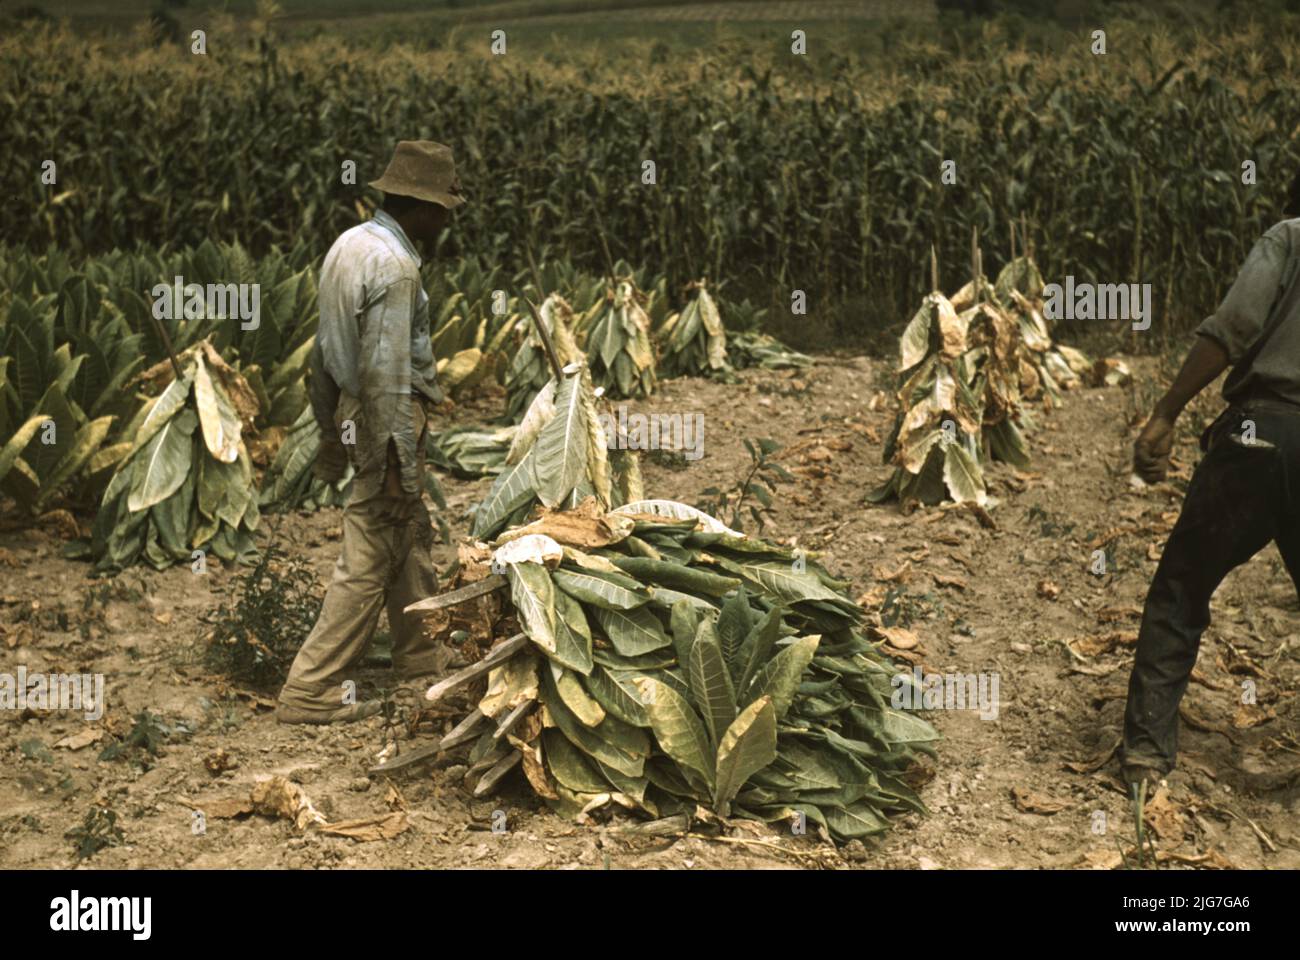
x=424 y=170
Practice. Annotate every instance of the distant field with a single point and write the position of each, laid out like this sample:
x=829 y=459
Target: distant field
x=606 y=11
x=546 y=27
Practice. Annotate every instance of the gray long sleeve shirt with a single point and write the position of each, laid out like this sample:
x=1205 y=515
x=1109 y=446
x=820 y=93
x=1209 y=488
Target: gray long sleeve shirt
x=373 y=346
x=1264 y=291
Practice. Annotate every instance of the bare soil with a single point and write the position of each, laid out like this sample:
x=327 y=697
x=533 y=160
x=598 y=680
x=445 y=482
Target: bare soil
x=1016 y=599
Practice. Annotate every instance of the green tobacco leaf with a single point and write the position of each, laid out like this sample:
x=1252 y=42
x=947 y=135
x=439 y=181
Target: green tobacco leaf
x=560 y=454
x=779 y=677
x=756 y=649
x=677 y=576
x=678 y=728
x=533 y=596
x=632 y=632
x=84 y=445
x=616 y=692
x=896 y=726
x=582 y=704
x=634 y=787
x=163 y=409
x=734 y=624
x=162 y=466
x=512 y=489
x=569 y=765
x=854 y=821
x=572 y=635
x=42 y=456
x=215 y=480
x=781 y=581
x=961 y=474
x=655 y=660
x=710 y=682
x=684 y=622
x=617 y=744
x=665 y=598
x=747 y=746
x=607 y=591
x=18 y=441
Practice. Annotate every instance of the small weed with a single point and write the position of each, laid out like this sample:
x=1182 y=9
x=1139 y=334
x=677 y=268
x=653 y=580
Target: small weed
x=145 y=740
x=902 y=609
x=395 y=716
x=258 y=630
x=224 y=715
x=759 y=483
x=98 y=830
x=1048 y=525
x=35 y=749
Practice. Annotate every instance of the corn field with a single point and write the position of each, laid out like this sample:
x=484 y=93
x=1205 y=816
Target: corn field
x=1128 y=167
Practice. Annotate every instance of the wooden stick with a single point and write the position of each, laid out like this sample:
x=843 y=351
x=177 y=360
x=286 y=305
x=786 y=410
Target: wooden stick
x=545 y=335
x=502 y=651
x=495 y=756
x=428 y=751
x=665 y=827
x=512 y=719
x=463 y=731
x=161 y=329
x=493 y=776
x=442 y=601
x=532 y=262
x=934 y=269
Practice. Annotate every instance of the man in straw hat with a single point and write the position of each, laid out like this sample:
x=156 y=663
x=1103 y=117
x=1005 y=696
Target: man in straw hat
x=373 y=381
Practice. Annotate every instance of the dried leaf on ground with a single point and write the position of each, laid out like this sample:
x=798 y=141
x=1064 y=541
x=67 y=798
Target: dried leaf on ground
x=899 y=638
x=1027 y=801
x=369 y=829
x=1249 y=715
x=943 y=580
x=1163 y=815
x=83 y=738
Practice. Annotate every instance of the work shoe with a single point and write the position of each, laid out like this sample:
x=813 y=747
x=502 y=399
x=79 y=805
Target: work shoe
x=1135 y=773
x=345 y=714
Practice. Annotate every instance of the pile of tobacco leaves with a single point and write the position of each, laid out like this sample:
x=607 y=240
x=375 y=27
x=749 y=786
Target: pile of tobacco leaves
x=662 y=662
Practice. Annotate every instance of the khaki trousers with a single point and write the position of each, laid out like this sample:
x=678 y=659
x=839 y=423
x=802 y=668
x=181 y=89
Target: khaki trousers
x=386 y=562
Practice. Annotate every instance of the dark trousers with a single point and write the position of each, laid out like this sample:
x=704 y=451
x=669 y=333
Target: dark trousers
x=1243 y=495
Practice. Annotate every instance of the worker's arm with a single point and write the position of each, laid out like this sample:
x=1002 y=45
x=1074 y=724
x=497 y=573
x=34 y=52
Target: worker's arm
x=331 y=459
x=1203 y=365
x=1225 y=337
x=385 y=378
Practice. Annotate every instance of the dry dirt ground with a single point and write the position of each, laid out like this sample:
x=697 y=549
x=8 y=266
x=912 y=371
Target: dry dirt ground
x=1027 y=789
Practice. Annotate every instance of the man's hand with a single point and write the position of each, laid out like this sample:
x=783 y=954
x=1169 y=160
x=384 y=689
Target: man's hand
x=1151 y=451
x=331 y=460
